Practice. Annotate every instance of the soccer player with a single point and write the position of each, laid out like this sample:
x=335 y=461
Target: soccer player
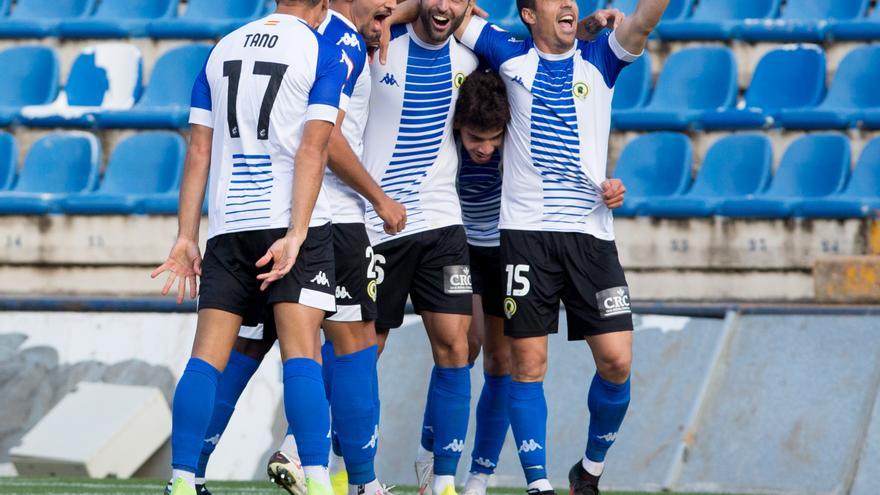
x=557 y=238
x=272 y=92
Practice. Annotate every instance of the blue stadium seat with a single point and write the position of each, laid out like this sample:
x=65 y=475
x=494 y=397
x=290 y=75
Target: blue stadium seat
x=653 y=167
x=792 y=77
x=735 y=166
x=103 y=77
x=207 y=19
x=803 y=20
x=166 y=204
x=119 y=19
x=57 y=164
x=30 y=77
x=40 y=18
x=717 y=19
x=692 y=81
x=814 y=166
x=505 y=14
x=146 y=164
x=864 y=28
x=4 y=7
x=8 y=160
x=633 y=86
x=854 y=88
x=166 y=100
x=862 y=195
x=677 y=9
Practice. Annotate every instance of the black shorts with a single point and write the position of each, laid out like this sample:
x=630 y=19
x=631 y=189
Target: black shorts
x=229 y=274
x=488 y=278
x=581 y=270
x=355 y=273
x=431 y=267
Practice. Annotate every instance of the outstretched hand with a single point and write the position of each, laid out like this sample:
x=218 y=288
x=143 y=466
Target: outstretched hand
x=184 y=264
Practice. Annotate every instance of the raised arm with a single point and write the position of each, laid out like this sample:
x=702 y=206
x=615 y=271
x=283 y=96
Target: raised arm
x=589 y=27
x=634 y=30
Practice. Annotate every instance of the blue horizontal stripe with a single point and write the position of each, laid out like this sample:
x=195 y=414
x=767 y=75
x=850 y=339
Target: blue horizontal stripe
x=250 y=188
x=251 y=157
x=250 y=181
x=242 y=196
x=255 y=165
x=247 y=219
x=259 y=172
x=249 y=202
x=247 y=211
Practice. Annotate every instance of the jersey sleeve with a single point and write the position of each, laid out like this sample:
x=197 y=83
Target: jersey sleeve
x=327 y=96
x=200 y=102
x=491 y=43
x=358 y=62
x=606 y=54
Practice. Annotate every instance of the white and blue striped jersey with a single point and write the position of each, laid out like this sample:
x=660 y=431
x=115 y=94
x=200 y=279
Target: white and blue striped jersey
x=346 y=205
x=479 y=189
x=411 y=151
x=556 y=148
x=258 y=88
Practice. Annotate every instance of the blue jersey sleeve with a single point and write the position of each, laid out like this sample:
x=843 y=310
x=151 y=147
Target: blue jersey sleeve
x=200 y=101
x=493 y=44
x=331 y=75
x=358 y=60
x=606 y=54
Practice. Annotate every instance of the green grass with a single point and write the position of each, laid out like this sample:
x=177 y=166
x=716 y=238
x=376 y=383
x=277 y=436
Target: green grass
x=54 y=486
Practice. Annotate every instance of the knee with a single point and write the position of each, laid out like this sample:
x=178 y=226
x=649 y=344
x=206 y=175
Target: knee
x=451 y=353
x=616 y=368
x=529 y=367
x=496 y=362
x=255 y=349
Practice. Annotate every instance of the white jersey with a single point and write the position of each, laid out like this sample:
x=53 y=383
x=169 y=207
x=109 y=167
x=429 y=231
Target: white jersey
x=346 y=205
x=258 y=88
x=411 y=151
x=556 y=149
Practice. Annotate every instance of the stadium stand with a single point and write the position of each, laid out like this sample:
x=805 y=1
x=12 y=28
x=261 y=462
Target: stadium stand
x=735 y=166
x=717 y=19
x=57 y=164
x=677 y=9
x=791 y=77
x=814 y=166
x=119 y=19
x=692 y=80
x=144 y=165
x=30 y=77
x=207 y=19
x=165 y=103
x=633 y=86
x=653 y=166
x=803 y=20
x=103 y=77
x=861 y=196
x=41 y=18
x=854 y=89
x=859 y=29
x=8 y=160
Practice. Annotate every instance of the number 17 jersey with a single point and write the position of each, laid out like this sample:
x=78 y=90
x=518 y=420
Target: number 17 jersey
x=259 y=87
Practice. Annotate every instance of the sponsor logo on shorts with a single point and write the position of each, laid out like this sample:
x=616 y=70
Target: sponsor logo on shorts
x=509 y=307
x=613 y=302
x=342 y=293
x=371 y=290
x=457 y=279
x=321 y=279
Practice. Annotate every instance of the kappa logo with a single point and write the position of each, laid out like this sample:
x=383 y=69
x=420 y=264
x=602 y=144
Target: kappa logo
x=213 y=440
x=373 y=439
x=613 y=302
x=519 y=80
x=608 y=437
x=486 y=463
x=529 y=446
x=389 y=80
x=342 y=293
x=349 y=39
x=321 y=279
x=430 y=428
x=455 y=445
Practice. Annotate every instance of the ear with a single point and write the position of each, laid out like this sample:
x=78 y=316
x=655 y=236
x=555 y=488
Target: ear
x=528 y=16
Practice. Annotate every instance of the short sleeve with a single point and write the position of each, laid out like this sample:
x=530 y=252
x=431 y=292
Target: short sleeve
x=606 y=54
x=358 y=60
x=200 y=102
x=492 y=44
x=326 y=97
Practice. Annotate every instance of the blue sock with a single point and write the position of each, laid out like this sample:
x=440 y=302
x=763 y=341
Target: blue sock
x=191 y=412
x=608 y=403
x=528 y=420
x=230 y=385
x=492 y=424
x=427 y=420
x=376 y=403
x=353 y=416
x=451 y=404
x=307 y=410
x=328 y=356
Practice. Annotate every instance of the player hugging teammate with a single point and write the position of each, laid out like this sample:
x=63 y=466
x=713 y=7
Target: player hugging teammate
x=265 y=121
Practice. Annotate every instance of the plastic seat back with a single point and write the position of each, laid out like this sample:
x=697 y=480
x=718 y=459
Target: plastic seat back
x=52 y=9
x=505 y=13
x=8 y=160
x=146 y=163
x=715 y=10
x=4 y=7
x=30 y=76
x=855 y=83
x=656 y=164
x=735 y=165
x=865 y=181
x=677 y=9
x=813 y=166
x=633 y=86
x=170 y=83
x=790 y=77
x=107 y=75
x=823 y=9
x=62 y=162
x=699 y=78
x=135 y=9
x=223 y=9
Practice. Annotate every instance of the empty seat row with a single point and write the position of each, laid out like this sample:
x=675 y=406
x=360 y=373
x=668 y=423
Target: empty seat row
x=813 y=179
x=697 y=89
x=124 y=18
x=61 y=175
x=103 y=88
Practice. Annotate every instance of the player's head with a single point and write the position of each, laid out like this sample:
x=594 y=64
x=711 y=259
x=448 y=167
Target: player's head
x=309 y=10
x=481 y=114
x=368 y=15
x=440 y=18
x=554 y=22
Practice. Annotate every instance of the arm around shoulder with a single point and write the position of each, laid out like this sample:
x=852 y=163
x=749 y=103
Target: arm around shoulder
x=632 y=35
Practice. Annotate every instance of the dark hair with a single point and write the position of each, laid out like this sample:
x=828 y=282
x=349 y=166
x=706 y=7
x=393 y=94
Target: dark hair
x=482 y=102
x=309 y=3
x=524 y=4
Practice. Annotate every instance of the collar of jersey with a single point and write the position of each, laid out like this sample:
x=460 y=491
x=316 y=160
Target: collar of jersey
x=556 y=56
x=332 y=13
x=427 y=46
x=300 y=19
